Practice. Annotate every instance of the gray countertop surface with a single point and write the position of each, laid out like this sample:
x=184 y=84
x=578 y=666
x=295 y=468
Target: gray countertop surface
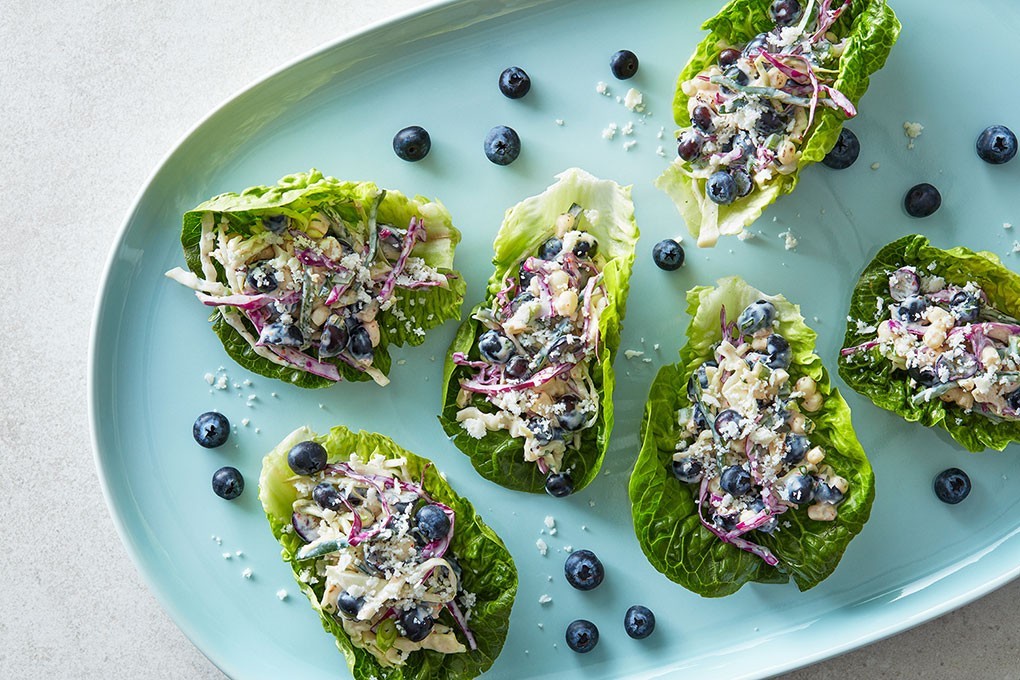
x=93 y=94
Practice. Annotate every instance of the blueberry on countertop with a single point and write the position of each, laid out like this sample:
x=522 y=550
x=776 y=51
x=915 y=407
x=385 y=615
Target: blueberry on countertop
x=721 y=188
x=952 y=485
x=583 y=570
x=624 y=64
x=845 y=151
x=502 y=145
x=735 y=480
x=228 y=483
x=639 y=622
x=211 y=429
x=996 y=144
x=432 y=522
x=559 y=484
x=412 y=143
x=668 y=254
x=582 y=636
x=514 y=82
x=922 y=200
x=307 y=458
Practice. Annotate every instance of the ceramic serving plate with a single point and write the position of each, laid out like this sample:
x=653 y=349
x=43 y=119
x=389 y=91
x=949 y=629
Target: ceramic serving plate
x=337 y=110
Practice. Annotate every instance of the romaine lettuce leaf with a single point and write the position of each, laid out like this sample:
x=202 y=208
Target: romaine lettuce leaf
x=874 y=376
x=498 y=456
x=871 y=28
x=297 y=196
x=664 y=511
x=489 y=570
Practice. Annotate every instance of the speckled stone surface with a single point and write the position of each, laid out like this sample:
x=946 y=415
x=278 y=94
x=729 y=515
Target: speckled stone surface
x=94 y=93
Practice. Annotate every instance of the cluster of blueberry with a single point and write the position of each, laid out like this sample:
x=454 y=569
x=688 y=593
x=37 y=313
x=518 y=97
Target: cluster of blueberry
x=211 y=430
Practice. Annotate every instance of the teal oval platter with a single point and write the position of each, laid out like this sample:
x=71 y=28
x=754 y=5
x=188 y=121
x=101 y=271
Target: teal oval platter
x=153 y=353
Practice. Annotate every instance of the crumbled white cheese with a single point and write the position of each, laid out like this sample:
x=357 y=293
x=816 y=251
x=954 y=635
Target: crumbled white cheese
x=210 y=378
x=745 y=235
x=790 y=241
x=1016 y=246
x=602 y=88
x=247 y=573
x=656 y=347
x=631 y=353
x=628 y=129
x=544 y=599
x=875 y=166
x=660 y=152
x=281 y=594
x=1007 y=225
x=661 y=133
x=245 y=421
x=610 y=131
x=559 y=121
x=568 y=548
x=634 y=100
x=221 y=382
x=627 y=146
x=912 y=131
x=543 y=547
x=227 y=556
x=550 y=521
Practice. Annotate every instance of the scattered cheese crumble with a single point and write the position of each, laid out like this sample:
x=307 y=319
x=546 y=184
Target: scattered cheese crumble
x=627 y=146
x=602 y=88
x=559 y=121
x=790 y=241
x=1007 y=225
x=610 y=131
x=634 y=100
x=544 y=599
x=543 y=548
x=247 y=573
x=281 y=594
x=631 y=353
x=912 y=131
x=875 y=166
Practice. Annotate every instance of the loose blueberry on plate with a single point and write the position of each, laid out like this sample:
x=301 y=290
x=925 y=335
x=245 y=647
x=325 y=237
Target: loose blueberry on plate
x=416 y=624
x=735 y=480
x=349 y=605
x=757 y=316
x=582 y=636
x=327 y=497
x=721 y=188
x=624 y=64
x=780 y=354
x=412 y=143
x=502 y=145
x=228 y=483
x=559 y=484
x=211 y=429
x=550 y=249
x=785 y=12
x=583 y=570
x=687 y=470
x=800 y=489
x=996 y=144
x=307 y=458
x=432 y=522
x=952 y=485
x=495 y=347
x=514 y=82
x=668 y=255
x=639 y=622
x=922 y=200
x=845 y=152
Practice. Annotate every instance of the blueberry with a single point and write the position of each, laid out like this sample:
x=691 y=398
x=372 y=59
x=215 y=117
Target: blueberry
x=965 y=306
x=996 y=144
x=281 y=334
x=1013 y=400
x=698 y=416
x=735 y=480
x=583 y=570
x=624 y=64
x=550 y=249
x=728 y=57
x=495 y=347
x=756 y=45
x=276 y=223
x=742 y=141
x=582 y=636
x=572 y=419
x=795 y=448
x=559 y=484
x=799 y=489
x=514 y=82
x=333 y=340
x=825 y=493
x=262 y=278
x=844 y=152
x=211 y=429
x=727 y=424
x=721 y=188
x=785 y=12
x=543 y=430
x=349 y=605
x=922 y=375
x=639 y=622
x=586 y=248
x=952 y=485
x=737 y=75
x=922 y=200
x=227 y=483
x=742 y=178
x=326 y=496
x=911 y=309
x=701 y=118
x=668 y=255
x=307 y=458
x=517 y=368
x=415 y=624
x=757 y=316
x=687 y=470
x=769 y=122
x=779 y=353
x=502 y=145
x=361 y=343
x=690 y=144
x=412 y=143
x=432 y=522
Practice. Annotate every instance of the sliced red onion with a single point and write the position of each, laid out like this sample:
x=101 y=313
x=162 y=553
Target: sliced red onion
x=306 y=363
x=305 y=526
x=462 y=622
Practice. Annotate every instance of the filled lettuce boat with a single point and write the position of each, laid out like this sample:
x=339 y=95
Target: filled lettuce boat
x=749 y=467
x=400 y=569
x=528 y=382
x=764 y=95
x=933 y=335
x=313 y=278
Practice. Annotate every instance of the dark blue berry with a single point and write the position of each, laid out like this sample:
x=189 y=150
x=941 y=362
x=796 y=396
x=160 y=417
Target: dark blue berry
x=502 y=145
x=785 y=12
x=583 y=570
x=572 y=419
x=326 y=496
x=582 y=636
x=735 y=480
x=495 y=347
x=757 y=316
x=211 y=429
x=514 y=82
x=349 y=605
x=432 y=522
x=624 y=64
x=952 y=485
x=360 y=343
x=795 y=448
x=911 y=309
x=687 y=470
x=550 y=249
x=742 y=178
x=690 y=144
x=281 y=334
x=228 y=483
x=727 y=424
x=844 y=152
x=333 y=340
x=276 y=223
x=825 y=493
x=996 y=144
x=262 y=278
x=779 y=353
x=307 y=458
x=965 y=306
x=701 y=118
x=639 y=622
x=728 y=57
x=721 y=188
x=922 y=200
x=585 y=248
x=517 y=368
x=800 y=489
x=668 y=254
x=415 y=624
x=412 y=143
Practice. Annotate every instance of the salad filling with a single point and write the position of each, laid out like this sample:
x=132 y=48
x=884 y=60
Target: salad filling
x=534 y=358
x=317 y=284
x=746 y=436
